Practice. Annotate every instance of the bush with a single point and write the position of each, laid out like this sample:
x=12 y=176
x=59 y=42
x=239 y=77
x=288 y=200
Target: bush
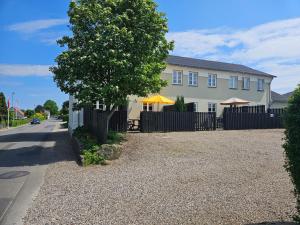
x=114 y=137
x=292 y=145
x=179 y=104
x=40 y=116
x=16 y=123
x=90 y=147
x=92 y=158
x=65 y=118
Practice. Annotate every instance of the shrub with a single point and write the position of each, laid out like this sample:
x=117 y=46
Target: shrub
x=15 y=123
x=114 y=137
x=292 y=145
x=65 y=118
x=90 y=147
x=40 y=116
x=92 y=158
x=179 y=104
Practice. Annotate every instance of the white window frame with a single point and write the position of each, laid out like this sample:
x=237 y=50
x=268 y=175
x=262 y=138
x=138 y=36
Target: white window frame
x=177 y=77
x=260 y=86
x=212 y=80
x=212 y=107
x=193 y=79
x=246 y=83
x=146 y=107
x=233 y=82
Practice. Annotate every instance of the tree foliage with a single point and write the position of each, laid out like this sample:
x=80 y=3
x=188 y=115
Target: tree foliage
x=39 y=109
x=118 y=48
x=3 y=105
x=179 y=104
x=65 y=108
x=292 y=144
x=51 y=106
x=29 y=113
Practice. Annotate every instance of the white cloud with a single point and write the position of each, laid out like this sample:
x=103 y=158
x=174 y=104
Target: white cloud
x=36 y=25
x=24 y=70
x=272 y=47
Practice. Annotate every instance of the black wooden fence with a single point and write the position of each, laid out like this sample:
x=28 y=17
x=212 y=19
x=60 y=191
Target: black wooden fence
x=252 y=120
x=247 y=109
x=177 y=121
x=96 y=122
x=190 y=107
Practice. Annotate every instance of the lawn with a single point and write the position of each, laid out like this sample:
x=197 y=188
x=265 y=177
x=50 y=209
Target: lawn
x=217 y=177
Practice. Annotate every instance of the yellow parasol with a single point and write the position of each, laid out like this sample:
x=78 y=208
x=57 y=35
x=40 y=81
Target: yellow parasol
x=158 y=99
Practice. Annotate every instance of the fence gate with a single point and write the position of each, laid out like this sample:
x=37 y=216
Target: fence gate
x=177 y=121
x=242 y=119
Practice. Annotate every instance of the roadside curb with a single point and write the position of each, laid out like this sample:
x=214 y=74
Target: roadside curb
x=76 y=146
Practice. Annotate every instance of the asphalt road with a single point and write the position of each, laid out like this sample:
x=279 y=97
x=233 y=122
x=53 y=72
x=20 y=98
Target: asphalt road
x=25 y=153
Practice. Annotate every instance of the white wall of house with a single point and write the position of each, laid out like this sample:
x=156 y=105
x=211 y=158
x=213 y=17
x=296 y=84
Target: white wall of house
x=202 y=94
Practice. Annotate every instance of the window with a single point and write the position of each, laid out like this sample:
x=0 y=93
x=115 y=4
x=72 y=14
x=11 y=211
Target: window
x=246 y=83
x=193 y=79
x=233 y=82
x=212 y=107
x=150 y=107
x=177 y=77
x=212 y=80
x=260 y=84
x=147 y=107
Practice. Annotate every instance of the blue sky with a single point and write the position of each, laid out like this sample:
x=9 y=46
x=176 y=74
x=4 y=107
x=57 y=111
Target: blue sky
x=264 y=34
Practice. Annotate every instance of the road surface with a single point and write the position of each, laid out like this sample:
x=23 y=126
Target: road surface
x=25 y=153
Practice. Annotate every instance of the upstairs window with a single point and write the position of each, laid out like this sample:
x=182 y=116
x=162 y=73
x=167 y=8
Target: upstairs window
x=212 y=80
x=233 y=82
x=260 y=84
x=193 y=79
x=246 y=83
x=212 y=107
x=177 y=77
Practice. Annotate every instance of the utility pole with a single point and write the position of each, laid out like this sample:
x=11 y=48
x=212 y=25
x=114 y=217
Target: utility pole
x=8 y=113
x=12 y=103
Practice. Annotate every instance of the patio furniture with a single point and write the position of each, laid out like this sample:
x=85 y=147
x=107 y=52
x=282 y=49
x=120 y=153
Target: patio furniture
x=133 y=124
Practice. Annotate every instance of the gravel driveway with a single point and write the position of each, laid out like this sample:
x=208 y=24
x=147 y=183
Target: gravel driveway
x=221 y=177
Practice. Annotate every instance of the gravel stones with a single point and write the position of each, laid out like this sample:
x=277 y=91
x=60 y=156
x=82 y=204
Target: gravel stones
x=216 y=177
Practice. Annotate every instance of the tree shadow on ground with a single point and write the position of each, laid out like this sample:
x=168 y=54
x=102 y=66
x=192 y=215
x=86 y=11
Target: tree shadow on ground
x=36 y=154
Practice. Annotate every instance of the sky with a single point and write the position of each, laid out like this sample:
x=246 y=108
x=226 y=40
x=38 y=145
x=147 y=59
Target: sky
x=262 y=34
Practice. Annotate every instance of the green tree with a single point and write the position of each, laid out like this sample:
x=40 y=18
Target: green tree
x=39 y=109
x=51 y=106
x=292 y=144
x=179 y=104
x=117 y=48
x=65 y=108
x=29 y=113
x=3 y=105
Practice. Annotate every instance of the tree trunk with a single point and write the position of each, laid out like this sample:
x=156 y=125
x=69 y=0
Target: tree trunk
x=109 y=115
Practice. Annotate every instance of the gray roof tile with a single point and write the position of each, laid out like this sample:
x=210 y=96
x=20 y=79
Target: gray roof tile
x=213 y=65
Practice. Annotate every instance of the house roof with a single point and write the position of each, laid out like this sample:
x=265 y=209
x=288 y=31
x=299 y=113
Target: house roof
x=214 y=65
x=289 y=94
x=280 y=98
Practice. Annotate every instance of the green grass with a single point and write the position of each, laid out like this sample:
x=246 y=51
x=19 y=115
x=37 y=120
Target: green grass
x=16 y=123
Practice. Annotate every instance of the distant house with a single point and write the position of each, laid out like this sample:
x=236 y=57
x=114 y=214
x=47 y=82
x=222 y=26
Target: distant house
x=202 y=82
x=17 y=113
x=208 y=83
x=278 y=100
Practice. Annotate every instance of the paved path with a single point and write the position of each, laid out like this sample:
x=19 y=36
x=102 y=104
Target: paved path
x=25 y=153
